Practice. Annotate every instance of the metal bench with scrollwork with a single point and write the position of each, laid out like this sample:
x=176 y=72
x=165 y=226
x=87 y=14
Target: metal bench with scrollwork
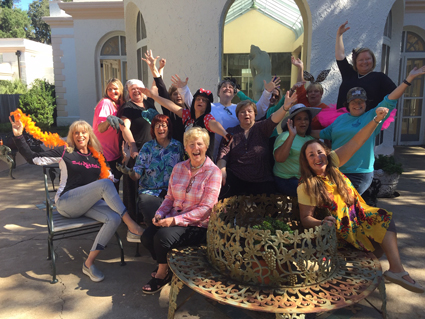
x=287 y=274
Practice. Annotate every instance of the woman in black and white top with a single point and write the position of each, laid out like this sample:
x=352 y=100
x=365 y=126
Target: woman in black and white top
x=81 y=190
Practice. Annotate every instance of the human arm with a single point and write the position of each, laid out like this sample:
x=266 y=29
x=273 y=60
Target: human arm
x=151 y=62
x=128 y=136
x=315 y=133
x=282 y=152
x=168 y=104
x=221 y=164
x=398 y=92
x=161 y=68
x=217 y=128
x=346 y=151
x=307 y=219
x=300 y=66
x=183 y=89
x=264 y=101
x=277 y=116
x=339 y=43
x=242 y=96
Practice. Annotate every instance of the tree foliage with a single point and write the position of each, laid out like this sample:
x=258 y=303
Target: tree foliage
x=7 y=4
x=14 y=23
x=37 y=10
x=39 y=103
x=12 y=87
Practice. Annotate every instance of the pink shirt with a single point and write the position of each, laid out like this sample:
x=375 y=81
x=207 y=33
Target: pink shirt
x=190 y=199
x=109 y=138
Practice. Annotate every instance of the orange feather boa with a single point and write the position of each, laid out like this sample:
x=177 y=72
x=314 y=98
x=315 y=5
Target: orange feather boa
x=53 y=139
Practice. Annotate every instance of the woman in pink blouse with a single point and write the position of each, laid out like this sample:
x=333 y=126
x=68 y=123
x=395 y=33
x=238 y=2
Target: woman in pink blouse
x=106 y=125
x=182 y=219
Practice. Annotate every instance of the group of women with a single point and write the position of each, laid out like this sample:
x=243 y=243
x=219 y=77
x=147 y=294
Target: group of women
x=176 y=196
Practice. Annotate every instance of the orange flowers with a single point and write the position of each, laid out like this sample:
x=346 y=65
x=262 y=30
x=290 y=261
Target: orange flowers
x=53 y=139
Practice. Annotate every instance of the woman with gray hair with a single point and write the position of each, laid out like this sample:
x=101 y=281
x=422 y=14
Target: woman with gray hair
x=137 y=114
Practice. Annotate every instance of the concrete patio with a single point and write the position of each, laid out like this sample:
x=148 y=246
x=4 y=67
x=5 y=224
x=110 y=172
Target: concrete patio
x=26 y=292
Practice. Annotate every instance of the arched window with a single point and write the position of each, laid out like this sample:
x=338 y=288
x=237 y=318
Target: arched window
x=113 y=60
x=411 y=118
x=142 y=70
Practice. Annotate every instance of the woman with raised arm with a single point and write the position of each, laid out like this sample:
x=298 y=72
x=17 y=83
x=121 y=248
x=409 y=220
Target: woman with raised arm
x=376 y=84
x=183 y=217
x=359 y=168
x=85 y=188
x=172 y=94
x=106 y=125
x=137 y=114
x=199 y=114
x=245 y=163
x=322 y=185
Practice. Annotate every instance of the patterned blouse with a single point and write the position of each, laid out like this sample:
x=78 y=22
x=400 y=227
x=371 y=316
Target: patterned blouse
x=155 y=165
x=356 y=224
x=190 y=198
x=187 y=120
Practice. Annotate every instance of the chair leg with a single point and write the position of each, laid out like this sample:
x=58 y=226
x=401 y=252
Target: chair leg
x=137 y=254
x=123 y=263
x=53 y=258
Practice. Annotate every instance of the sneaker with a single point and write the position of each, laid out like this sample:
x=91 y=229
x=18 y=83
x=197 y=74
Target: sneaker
x=94 y=273
x=133 y=238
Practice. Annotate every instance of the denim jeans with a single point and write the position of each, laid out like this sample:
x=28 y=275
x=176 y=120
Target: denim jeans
x=360 y=181
x=87 y=201
x=287 y=186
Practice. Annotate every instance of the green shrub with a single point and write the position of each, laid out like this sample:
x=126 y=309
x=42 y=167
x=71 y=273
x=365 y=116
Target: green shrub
x=5 y=127
x=12 y=87
x=39 y=103
x=272 y=224
x=388 y=164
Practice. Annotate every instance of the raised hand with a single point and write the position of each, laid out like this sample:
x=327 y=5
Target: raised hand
x=17 y=127
x=297 y=62
x=381 y=112
x=291 y=128
x=146 y=92
x=177 y=82
x=115 y=122
x=149 y=59
x=162 y=63
x=290 y=100
x=342 y=29
x=274 y=83
x=417 y=71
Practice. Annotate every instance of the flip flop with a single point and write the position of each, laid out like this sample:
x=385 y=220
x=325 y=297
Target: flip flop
x=397 y=278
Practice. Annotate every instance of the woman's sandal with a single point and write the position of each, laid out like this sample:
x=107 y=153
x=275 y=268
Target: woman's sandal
x=157 y=284
x=153 y=273
x=397 y=278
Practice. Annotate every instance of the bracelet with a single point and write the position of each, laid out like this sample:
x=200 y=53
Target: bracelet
x=286 y=110
x=374 y=119
x=406 y=82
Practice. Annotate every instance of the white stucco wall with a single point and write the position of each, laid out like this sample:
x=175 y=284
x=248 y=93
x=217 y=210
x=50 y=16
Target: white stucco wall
x=186 y=33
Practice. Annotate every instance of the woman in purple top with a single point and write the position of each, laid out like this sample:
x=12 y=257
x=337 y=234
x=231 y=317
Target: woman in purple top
x=245 y=162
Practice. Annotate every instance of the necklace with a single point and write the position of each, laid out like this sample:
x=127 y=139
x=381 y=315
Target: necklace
x=196 y=167
x=362 y=76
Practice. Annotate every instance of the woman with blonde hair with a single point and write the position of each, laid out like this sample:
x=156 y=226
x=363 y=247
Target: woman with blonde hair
x=106 y=125
x=85 y=186
x=182 y=219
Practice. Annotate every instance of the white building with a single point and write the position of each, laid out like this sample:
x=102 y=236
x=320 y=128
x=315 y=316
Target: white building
x=207 y=40
x=25 y=60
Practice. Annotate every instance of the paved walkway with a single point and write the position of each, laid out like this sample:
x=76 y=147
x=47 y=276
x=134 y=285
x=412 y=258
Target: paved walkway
x=26 y=292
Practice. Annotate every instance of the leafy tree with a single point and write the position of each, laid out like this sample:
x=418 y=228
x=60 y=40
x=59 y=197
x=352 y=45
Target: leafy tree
x=39 y=103
x=37 y=10
x=14 y=23
x=7 y=4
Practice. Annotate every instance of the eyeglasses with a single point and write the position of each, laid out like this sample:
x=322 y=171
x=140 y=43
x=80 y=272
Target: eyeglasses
x=163 y=125
x=228 y=111
x=189 y=187
x=203 y=99
x=276 y=96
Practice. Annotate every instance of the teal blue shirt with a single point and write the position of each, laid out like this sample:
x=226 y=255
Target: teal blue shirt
x=346 y=126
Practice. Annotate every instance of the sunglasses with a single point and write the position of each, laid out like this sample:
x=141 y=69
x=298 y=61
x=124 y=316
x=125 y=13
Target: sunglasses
x=228 y=111
x=189 y=187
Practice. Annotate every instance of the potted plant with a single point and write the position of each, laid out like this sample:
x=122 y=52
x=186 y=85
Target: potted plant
x=388 y=172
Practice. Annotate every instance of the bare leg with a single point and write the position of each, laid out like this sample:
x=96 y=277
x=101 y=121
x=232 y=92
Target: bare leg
x=92 y=256
x=161 y=273
x=389 y=245
x=131 y=224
